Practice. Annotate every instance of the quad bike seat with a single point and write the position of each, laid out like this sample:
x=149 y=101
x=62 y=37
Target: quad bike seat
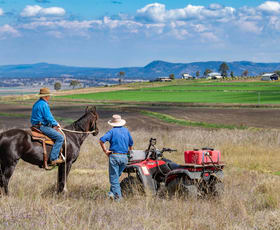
x=173 y=165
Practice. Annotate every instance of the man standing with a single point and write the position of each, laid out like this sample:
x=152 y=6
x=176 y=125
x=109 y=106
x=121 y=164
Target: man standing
x=120 y=143
x=43 y=119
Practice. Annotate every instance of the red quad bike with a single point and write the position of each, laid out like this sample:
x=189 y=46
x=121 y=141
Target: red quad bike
x=148 y=171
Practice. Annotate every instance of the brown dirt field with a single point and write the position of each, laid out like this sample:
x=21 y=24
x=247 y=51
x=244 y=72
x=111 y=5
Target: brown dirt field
x=251 y=117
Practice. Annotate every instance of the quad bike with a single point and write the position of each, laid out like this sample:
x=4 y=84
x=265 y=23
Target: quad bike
x=149 y=172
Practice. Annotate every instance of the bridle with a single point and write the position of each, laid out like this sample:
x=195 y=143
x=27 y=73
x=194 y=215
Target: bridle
x=95 y=130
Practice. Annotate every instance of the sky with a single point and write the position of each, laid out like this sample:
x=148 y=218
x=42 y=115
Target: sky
x=125 y=33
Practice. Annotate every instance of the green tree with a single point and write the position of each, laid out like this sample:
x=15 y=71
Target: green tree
x=172 y=76
x=223 y=69
x=74 y=83
x=277 y=72
x=57 y=86
x=231 y=74
x=197 y=73
x=121 y=77
x=207 y=71
x=245 y=73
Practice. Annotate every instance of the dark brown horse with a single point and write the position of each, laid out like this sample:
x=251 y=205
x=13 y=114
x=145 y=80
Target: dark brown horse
x=17 y=144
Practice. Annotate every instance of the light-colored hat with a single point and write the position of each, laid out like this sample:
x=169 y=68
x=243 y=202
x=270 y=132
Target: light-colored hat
x=45 y=92
x=117 y=121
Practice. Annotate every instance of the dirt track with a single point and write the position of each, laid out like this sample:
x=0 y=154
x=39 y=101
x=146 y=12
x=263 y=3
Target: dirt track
x=252 y=117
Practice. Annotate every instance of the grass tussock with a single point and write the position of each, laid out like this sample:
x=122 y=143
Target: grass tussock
x=251 y=199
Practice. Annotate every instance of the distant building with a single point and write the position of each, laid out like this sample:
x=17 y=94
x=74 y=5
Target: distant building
x=269 y=77
x=163 y=79
x=187 y=76
x=214 y=75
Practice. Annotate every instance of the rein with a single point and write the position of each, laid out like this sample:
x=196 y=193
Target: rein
x=65 y=153
x=74 y=131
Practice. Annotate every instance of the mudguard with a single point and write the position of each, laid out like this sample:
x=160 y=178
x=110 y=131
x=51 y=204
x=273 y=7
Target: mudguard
x=149 y=183
x=180 y=172
x=219 y=174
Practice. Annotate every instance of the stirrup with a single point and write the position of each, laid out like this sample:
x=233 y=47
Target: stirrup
x=63 y=157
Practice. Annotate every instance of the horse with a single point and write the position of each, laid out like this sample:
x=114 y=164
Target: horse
x=16 y=144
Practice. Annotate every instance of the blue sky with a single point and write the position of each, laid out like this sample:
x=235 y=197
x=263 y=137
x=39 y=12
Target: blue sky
x=116 y=33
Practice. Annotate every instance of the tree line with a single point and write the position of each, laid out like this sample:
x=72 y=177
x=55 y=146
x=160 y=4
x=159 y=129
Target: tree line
x=76 y=83
x=223 y=69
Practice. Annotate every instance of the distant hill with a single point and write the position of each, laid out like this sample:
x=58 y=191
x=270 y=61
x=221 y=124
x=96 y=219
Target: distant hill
x=150 y=71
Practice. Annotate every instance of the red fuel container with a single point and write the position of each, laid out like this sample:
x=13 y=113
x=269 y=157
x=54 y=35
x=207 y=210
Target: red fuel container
x=200 y=157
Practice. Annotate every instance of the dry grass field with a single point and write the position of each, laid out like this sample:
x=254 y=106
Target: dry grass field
x=251 y=199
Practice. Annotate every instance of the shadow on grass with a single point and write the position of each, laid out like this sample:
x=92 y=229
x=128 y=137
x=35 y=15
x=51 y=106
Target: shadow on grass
x=76 y=192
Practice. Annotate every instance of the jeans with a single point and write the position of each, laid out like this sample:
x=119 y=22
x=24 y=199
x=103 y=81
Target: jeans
x=117 y=163
x=58 y=139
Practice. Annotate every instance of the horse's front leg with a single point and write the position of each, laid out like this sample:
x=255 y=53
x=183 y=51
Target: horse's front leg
x=61 y=178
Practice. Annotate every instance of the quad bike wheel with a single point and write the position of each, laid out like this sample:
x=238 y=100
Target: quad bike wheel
x=216 y=187
x=182 y=187
x=131 y=186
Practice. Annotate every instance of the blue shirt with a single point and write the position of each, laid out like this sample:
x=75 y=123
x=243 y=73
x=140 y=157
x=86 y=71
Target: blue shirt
x=119 y=139
x=41 y=113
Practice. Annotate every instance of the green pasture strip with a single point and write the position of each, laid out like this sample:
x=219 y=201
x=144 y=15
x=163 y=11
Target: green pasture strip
x=65 y=120
x=214 y=88
x=184 y=96
x=238 y=83
x=14 y=115
x=219 y=86
x=173 y=120
x=214 y=83
x=277 y=173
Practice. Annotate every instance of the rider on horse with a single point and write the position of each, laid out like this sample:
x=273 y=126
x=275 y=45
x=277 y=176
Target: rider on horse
x=43 y=120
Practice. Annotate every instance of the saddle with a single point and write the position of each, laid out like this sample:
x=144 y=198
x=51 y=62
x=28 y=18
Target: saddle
x=37 y=135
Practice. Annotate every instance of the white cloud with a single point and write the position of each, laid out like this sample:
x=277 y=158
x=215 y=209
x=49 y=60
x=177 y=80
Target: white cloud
x=58 y=11
x=72 y=25
x=30 y=11
x=1 y=11
x=214 y=23
x=150 y=29
x=215 y=6
x=274 y=22
x=106 y=23
x=152 y=12
x=157 y=12
x=249 y=26
x=209 y=36
x=270 y=7
x=35 y=10
x=199 y=28
x=7 y=30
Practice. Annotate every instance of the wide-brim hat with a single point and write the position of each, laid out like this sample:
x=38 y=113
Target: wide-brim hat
x=44 y=92
x=117 y=121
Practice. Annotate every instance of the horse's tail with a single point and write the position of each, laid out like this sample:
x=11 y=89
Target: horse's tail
x=1 y=144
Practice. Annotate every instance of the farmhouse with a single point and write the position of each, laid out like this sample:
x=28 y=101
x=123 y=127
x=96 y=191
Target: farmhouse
x=214 y=75
x=269 y=77
x=163 y=79
x=187 y=76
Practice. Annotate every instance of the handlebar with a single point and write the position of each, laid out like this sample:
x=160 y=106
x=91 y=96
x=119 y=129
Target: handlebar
x=168 y=150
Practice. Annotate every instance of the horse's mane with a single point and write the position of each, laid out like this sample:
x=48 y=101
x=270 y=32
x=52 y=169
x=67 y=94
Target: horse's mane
x=81 y=123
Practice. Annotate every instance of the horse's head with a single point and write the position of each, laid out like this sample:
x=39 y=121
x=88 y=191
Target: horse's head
x=91 y=112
